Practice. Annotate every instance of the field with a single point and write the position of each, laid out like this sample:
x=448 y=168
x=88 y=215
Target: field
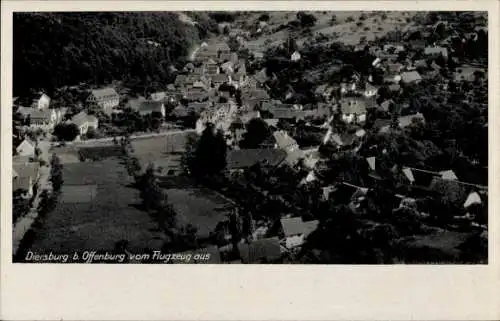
x=196 y=205
x=343 y=31
x=163 y=151
x=105 y=214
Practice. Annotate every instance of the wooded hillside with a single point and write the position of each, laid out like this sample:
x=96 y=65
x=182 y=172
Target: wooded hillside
x=58 y=49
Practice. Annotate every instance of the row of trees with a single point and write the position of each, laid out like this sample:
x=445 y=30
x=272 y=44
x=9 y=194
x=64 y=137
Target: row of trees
x=155 y=202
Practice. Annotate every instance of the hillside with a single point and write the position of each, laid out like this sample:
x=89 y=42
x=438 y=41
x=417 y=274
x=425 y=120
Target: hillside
x=63 y=49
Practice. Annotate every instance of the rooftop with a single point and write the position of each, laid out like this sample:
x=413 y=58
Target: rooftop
x=244 y=158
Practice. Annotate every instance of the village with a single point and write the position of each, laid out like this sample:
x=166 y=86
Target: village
x=328 y=149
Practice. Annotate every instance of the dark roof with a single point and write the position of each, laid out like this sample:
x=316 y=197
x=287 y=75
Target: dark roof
x=82 y=118
x=244 y=158
x=148 y=107
x=353 y=106
x=219 y=78
x=198 y=107
x=21 y=183
x=104 y=92
x=286 y=113
x=26 y=170
x=296 y=226
x=265 y=249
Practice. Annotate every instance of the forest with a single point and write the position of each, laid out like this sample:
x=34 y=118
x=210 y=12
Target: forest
x=52 y=50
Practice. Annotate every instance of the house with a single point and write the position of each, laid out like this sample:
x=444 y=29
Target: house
x=158 y=96
x=405 y=121
x=211 y=67
x=408 y=77
x=222 y=48
x=353 y=110
x=394 y=48
x=386 y=105
x=255 y=97
x=286 y=113
x=180 y=81
x=436 y=51
x=84 y=122
x=295 y=56
x=195 y=94
x=342 y=141
x=244 y=158
x=394 y=88
x=220 y=79
x=40 y=101
x=26 y=178
x=44 y=119
x=347 y=87
x=227 y=67
x=285 y=141
x=105 y=98
x=394 y=68
x=152 y=107
x=26 y=148
x=472 y=199
x=392 y=78
x=295 y=230
x=267 y=250
x=370 y=91
x=417 y=44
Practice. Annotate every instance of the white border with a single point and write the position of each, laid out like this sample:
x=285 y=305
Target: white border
x=228 y=292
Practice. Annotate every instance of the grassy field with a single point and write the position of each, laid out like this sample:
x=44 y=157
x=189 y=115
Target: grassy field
x=196 y=205
x=163 y=151
x=344 y=31
x=96 y=222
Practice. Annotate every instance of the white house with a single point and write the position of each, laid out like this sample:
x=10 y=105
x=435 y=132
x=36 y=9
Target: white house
x=295 y=56
x=44 y=119
x=370 y=91
x=84 y=122
x=26 y=148
x=106 y=98
x=41 y=101
x=353 y=110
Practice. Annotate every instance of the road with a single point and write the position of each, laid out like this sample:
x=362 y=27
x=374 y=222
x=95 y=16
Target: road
x=24 y=223
x=107 y=140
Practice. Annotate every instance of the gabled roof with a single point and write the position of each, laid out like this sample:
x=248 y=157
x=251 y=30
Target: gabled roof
x=41 y=114
x=410 y=76
x=82 y=118
x=27 y=141
x=220 y=78
x=473 y=198
x=353 y=106
x=343 y=139
x=449 y=174
x=26 y=169
x=405 y=121
x=148 y=107
x=371 y=162
x=244 y=158
x=283 y=140
x=265 y=249
x=296 y=226
x=436 y=51
x=104 y=92
x=286 y=113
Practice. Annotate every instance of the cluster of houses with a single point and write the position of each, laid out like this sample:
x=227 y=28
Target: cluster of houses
x=350 y=101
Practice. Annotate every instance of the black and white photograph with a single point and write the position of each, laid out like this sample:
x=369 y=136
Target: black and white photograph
x=250 y=137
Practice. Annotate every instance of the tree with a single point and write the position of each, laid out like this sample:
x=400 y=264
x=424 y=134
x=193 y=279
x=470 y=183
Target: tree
x=209 y=155
x=150 y=192
x=66 y=132
x=306 y=20
x=257 y=132
x=56 y=175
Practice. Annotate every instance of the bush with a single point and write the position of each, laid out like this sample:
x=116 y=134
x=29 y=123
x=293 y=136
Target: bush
x=362 y=17
x=349 y=19
x=264 y=17
x=66 y=132
x=359 y=24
